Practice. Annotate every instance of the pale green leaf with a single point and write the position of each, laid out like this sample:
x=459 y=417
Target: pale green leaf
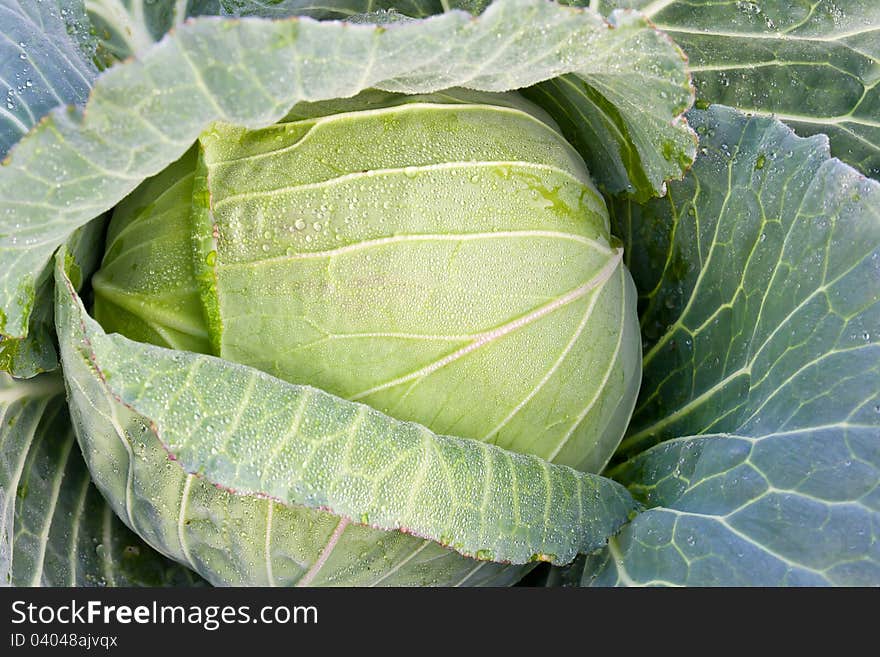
x=629 y=146
x=507 y=279
x=247 y=432
x=128 y=28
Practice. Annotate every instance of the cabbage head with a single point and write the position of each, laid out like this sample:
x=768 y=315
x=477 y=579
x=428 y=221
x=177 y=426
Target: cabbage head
x=445 y=259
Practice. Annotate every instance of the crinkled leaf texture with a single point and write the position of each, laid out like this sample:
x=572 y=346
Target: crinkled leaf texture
x=46 y=54
x=814 y=64
x=143 y=114
x=55 y=527
x=760 y=277
x=127 y=28
x=256 y=456
x=630 y=147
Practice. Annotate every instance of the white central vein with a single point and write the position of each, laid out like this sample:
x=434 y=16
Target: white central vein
x=325 y=553
x=619 y=563
x=488 y=337
x=428 y=237
x=107 y=543
x=181 y=521
x=390 y=171
x=129 y=477
x=7 y=514
x=540 y=385
x=43 y=539
x=835 y=38
x=72 y=553
x=656 y=7
x=470 y=573
x=319 y=122
x=270 y=574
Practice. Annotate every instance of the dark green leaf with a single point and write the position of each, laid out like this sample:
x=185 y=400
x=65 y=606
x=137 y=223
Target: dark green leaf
x=55 y=527
x=42 y=64
x=813 y=64
x=760 y=276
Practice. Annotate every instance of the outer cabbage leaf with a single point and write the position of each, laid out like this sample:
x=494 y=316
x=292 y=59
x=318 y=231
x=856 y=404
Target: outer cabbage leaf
x=55 y=527
x=129 y=27
x=798 y=508
x=761 y=310
x=296 y=450
x=324 y=9
x=36 y=353
x=629 y=147
x=44 y=62
x=814 y=64
x=250 y=72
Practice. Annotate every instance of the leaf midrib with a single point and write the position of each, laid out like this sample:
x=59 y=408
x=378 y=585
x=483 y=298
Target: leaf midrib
x=406 y=171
